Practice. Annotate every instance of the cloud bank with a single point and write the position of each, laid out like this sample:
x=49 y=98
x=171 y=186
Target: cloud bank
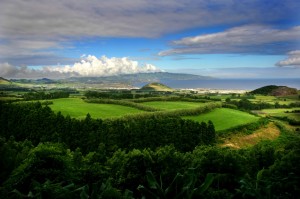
x=36 y=28
x=292 y=60
x=89 y=66
x=255 y=39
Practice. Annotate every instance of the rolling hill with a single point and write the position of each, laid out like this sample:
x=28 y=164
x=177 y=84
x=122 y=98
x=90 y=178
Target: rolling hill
x=137 y=78
x=275 y=90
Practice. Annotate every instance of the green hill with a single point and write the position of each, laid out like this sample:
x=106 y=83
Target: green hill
x=4 y=81
x=275 y=90
x=156 y=87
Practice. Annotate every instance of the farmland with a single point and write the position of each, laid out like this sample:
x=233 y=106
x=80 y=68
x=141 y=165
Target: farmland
x=224 y=118
x=168 y=133
x=282 y=112
x=77 y=108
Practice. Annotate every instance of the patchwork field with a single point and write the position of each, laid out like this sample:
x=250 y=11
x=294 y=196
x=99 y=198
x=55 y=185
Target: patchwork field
x=224 y=118
x=282 y=112
x=170 y=105
x=77 y=108
x=272 y=99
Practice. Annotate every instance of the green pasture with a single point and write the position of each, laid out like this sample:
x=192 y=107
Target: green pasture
x=225 y=118
x=170 y=105
x=281 y=112
x=272 y=99
x=77 y=108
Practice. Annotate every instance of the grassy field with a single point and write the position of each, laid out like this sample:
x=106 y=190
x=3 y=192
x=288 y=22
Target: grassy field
x=281 y=113
x=169 y=105
x=272 y=99
x=77 y=108
x=237 y=141
x=224 y=118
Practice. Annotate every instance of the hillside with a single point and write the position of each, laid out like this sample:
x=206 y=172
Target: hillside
x=137 y=78
x=156 y=87
x=4 y=81
x=275 y=90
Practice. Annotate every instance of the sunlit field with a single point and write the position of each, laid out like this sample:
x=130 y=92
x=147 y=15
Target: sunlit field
x=224 y=118
x=77 y=108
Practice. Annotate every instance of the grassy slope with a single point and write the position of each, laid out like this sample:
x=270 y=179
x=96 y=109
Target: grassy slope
x=77 y=108
x=238 y=141
x=169 y=105
x=224 y=118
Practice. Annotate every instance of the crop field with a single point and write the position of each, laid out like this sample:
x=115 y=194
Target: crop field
x=272 y=99
x=281 y=112
x=169 y=105
x=77 y=108
x=224 y=118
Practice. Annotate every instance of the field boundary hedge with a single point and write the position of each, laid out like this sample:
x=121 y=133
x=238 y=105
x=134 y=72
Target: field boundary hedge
x=174 y=98
x=177 y=113
x=151 y=111
x=244 y=128
x=123 y=103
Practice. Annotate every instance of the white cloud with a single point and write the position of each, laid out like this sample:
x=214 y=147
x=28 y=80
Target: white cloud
x=244 y=39
x=292 y=60
x=90 y=66
x=7 y=70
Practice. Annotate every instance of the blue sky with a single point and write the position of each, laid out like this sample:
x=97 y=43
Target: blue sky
x=220 y=38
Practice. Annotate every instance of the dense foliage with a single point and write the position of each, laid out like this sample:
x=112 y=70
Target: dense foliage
x=39 y=124
x=43 y=95
x=47 y=155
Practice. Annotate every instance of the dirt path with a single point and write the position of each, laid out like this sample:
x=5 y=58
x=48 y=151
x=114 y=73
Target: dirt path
x=270 y=132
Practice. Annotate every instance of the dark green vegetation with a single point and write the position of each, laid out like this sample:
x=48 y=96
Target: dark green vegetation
x=55 y=149
x=275 y=90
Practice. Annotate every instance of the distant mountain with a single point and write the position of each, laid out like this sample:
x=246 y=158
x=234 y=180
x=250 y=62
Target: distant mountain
x=34 y=81
x=156 y=87
x=275 y=90
x=44 y=81
x=138 y=78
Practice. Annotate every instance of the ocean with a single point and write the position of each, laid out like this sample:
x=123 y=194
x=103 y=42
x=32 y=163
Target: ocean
x=227 y=84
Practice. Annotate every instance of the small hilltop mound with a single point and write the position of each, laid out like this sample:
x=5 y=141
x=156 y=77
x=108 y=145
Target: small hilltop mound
x=275 y=90
x=155 y=86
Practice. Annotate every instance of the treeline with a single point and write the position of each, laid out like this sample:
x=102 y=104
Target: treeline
x=245 y=129
x=119 y=94
x=146 y=97
x=40 y=124
x=123 y=103
x=52 y=170
x=173 y=98
x=44 y=96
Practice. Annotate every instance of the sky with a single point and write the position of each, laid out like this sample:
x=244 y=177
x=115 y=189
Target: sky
x=218 y=38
